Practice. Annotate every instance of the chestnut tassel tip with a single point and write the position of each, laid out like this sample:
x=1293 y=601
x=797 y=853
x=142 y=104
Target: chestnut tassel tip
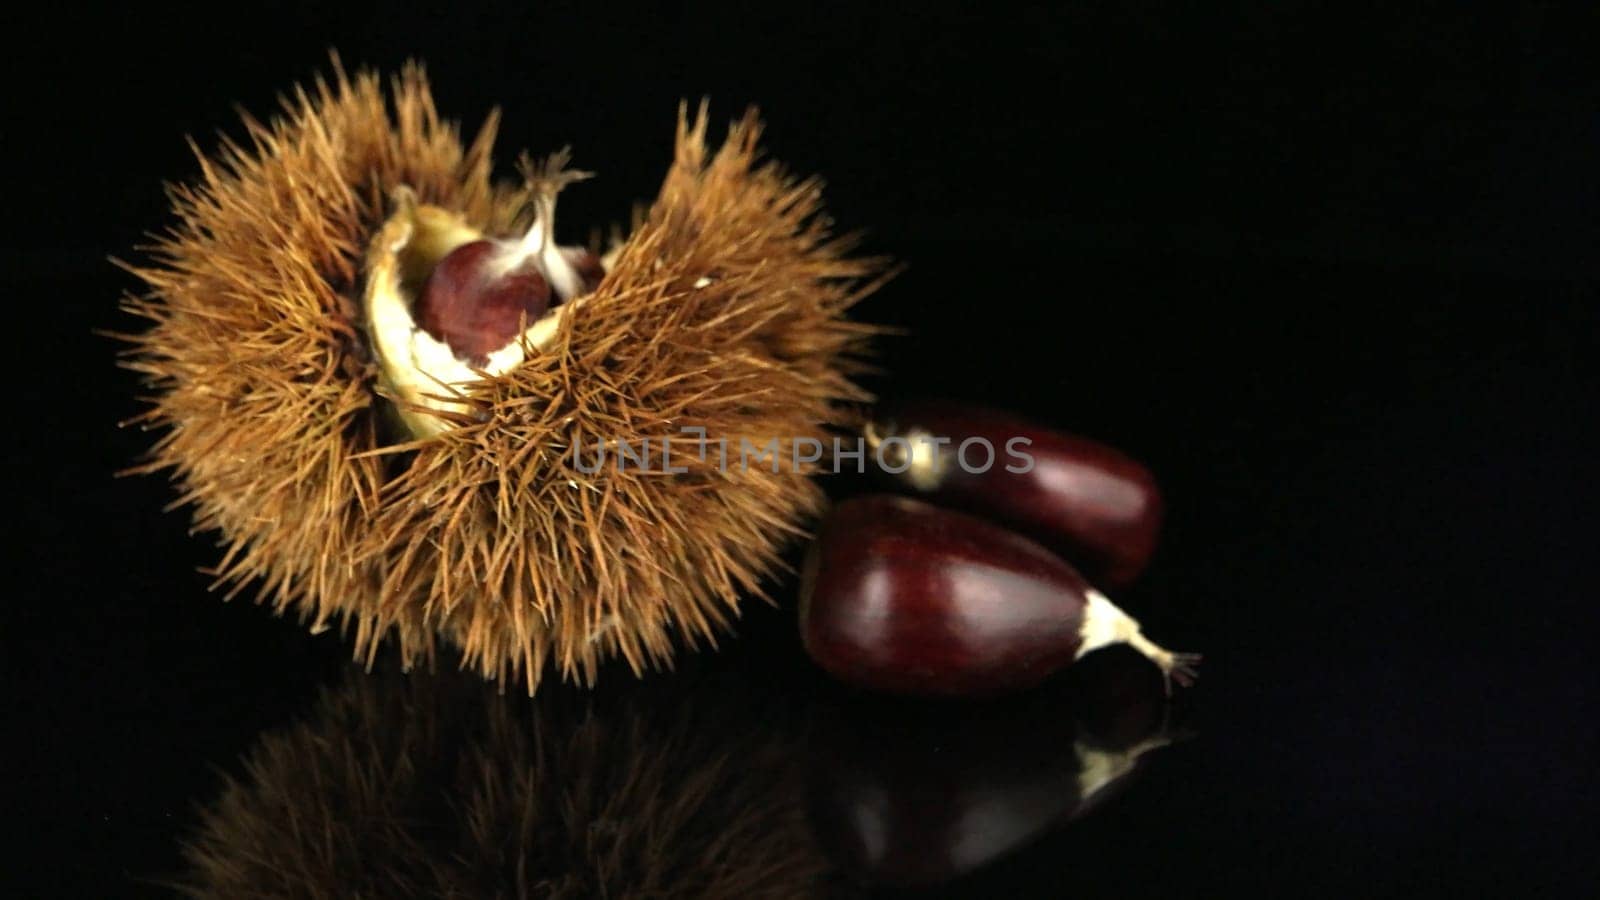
x=1104 y=624
x=1180 y=667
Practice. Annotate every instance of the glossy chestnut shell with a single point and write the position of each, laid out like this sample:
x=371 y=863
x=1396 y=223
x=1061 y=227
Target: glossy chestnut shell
x=476 y=309
x=906 y=597
x=1085 y=500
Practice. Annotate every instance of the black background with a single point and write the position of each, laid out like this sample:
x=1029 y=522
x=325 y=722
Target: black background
x=1329 y=274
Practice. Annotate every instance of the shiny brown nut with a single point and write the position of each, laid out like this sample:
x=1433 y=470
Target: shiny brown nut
x=477 y=301
x=1082 y=499
x=906 y=597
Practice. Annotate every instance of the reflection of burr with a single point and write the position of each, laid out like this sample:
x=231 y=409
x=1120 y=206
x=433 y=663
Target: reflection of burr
x=433 y=786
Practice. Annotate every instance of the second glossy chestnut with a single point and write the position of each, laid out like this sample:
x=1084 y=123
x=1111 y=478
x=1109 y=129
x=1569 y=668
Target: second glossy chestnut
x=1083 y=499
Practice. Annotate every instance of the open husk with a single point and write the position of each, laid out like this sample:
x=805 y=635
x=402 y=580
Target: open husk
x=723 y=310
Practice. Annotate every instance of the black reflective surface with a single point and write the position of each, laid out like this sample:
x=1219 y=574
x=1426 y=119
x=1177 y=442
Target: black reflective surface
x=1330 y=280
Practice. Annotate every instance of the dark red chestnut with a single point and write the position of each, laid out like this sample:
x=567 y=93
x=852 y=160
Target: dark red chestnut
x=479 y=297
x=907 y=597
x=482 y=294
x=1083 y=499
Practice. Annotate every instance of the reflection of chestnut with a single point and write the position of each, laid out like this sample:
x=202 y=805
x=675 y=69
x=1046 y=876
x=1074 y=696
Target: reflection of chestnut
x=906 y=597
x=1117 y=700
x=1080 y=498
x=920 y=794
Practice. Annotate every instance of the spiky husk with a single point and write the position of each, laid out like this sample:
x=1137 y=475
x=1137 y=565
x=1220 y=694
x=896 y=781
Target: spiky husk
x=419 y=786
x=723 y=311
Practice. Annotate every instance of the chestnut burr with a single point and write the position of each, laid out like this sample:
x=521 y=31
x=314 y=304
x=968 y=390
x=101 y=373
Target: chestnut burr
x=906 y=597
x=1085 y=500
